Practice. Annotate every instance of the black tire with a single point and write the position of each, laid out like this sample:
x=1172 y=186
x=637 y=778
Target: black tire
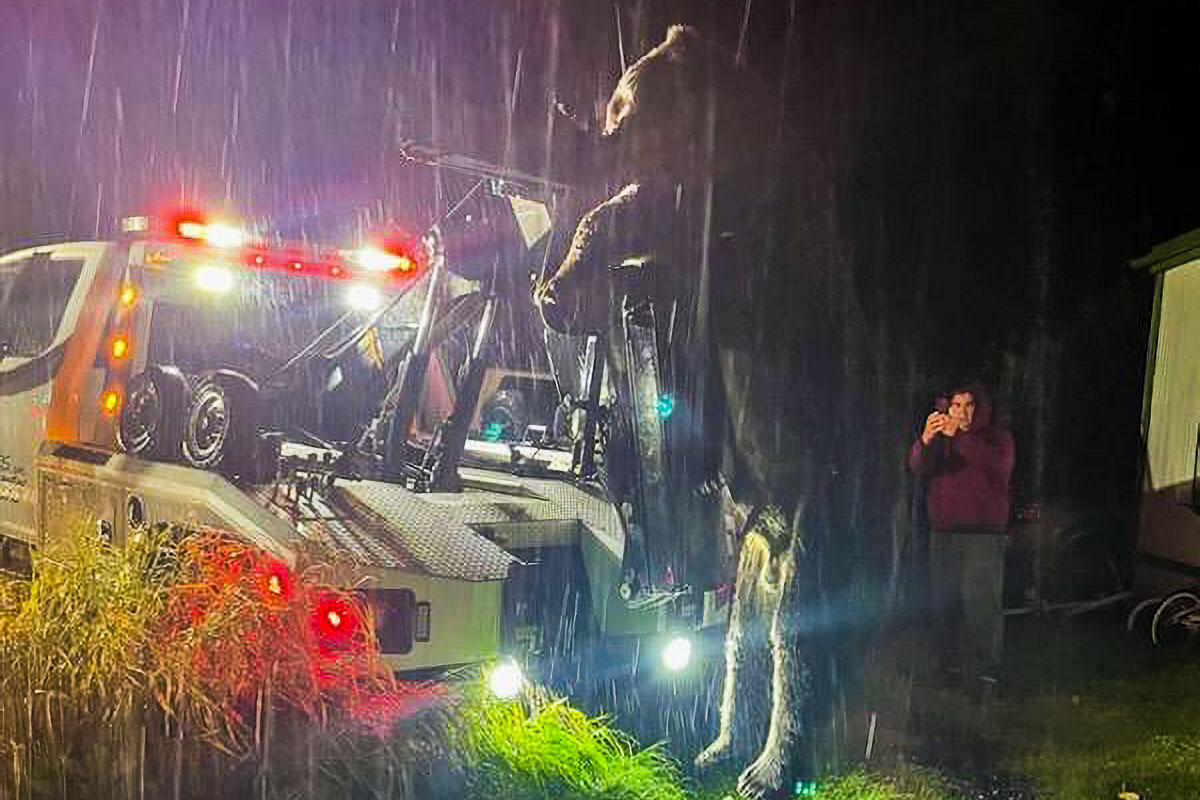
x=1165 y=627
x=152 y=415
x=1139 y=618
x=206 y=425
x=219 y=426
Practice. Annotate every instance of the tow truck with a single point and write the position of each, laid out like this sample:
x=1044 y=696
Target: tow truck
x=195 y=373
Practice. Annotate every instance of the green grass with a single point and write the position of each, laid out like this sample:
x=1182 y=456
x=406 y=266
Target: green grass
x=909 y=783
x=904 y=782
x=1137 y=733
x=538 y=747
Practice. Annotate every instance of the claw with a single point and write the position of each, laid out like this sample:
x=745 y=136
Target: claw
x=763 y=778
x=719 y=751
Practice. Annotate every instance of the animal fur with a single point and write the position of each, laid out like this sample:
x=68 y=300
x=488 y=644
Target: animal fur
x=688 y=130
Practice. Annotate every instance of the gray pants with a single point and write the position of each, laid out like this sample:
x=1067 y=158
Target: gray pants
x=966 y=573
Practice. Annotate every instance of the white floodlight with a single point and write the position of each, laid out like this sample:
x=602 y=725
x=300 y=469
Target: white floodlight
x=677 y=654
x=506 y=680
x=213 y=278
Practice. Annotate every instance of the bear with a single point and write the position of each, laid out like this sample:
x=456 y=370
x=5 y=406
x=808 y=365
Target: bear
x=733 y=214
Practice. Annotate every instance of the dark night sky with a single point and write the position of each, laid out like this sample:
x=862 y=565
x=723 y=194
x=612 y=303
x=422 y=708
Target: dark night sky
x=999 y=162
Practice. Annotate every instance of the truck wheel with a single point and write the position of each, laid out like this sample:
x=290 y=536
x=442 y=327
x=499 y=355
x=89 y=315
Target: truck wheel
x=150 y=418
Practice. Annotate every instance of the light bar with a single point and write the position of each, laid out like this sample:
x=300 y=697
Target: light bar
x=190 y=229
x=221 y=234
x=214 y=234
x=376 y=260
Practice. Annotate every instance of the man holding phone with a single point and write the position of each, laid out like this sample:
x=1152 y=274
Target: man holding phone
x=967 y=461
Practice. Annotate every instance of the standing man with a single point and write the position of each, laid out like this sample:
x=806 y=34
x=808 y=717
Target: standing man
x=967 y=462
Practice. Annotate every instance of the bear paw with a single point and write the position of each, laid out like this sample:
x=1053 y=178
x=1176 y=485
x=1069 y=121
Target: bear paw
x=716 y=753
x=765 y=777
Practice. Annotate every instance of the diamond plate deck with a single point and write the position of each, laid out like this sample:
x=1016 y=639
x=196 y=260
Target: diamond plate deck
x=385 y=525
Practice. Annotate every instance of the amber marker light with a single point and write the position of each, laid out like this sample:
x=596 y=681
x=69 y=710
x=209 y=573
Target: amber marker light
x=111 y=401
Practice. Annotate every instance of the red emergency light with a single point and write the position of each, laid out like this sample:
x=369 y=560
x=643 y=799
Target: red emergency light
x=394 y=257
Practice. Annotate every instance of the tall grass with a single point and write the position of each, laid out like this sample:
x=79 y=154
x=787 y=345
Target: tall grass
x=166 y=668
x=539 y=747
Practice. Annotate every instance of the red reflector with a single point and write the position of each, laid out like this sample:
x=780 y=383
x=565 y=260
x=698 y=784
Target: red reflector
x=334 y=620
x=276 y=581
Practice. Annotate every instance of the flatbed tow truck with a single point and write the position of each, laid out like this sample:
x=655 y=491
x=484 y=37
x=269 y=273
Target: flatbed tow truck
x=191 y=373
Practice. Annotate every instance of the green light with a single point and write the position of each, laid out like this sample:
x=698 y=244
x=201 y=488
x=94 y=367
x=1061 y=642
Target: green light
x=665 y=406
x=807 y=789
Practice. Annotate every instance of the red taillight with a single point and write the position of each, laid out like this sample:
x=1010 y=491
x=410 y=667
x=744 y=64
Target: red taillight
x=335 y=620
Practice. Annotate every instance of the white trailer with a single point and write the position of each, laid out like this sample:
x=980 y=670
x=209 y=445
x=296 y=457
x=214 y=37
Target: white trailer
x=1168 y=550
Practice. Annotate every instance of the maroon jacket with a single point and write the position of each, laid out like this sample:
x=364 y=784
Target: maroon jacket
x=968 y=473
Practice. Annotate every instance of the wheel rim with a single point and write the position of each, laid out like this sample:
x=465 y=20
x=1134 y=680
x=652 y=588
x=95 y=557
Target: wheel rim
x=141 y=417
x=1171 y=613
x=1139 y=612
x=207 y=425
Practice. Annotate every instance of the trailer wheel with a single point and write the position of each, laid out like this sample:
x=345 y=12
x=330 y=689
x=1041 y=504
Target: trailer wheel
x=149 y=424
x=1173 y=620
x=221 y=424
x=206 y=425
